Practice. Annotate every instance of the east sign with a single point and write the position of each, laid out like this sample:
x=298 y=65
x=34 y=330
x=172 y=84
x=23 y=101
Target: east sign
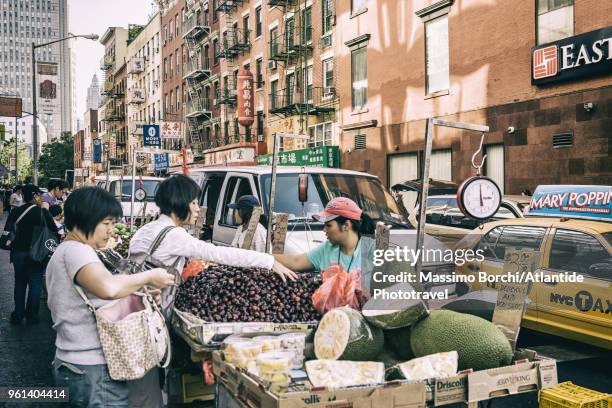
x=584 y=55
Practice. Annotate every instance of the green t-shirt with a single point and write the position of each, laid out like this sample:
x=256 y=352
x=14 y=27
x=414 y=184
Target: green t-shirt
x=326 y=255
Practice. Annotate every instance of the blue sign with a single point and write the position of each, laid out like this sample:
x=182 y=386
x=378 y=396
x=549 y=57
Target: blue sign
x=572 y=201
x=151 y=136
x=97 y=151
x=161 y=161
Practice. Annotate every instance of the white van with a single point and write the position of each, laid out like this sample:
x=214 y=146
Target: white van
x=224 y=185
x=121 y=188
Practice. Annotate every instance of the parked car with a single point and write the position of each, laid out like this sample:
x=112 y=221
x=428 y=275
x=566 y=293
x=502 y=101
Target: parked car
x=223 y=185
x=576 y=311
x=144 y=201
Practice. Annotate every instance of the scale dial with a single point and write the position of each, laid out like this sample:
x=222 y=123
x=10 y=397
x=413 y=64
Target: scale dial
x=140 y=194
x=479 y=197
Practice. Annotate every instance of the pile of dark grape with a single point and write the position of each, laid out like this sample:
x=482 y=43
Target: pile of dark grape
x=228 y=294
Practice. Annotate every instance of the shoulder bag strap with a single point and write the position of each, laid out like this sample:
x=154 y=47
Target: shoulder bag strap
x=81 y=293
x=24 y=213
x=160 y=237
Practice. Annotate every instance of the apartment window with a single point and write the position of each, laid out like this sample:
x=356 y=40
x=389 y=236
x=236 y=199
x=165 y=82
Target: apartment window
x=258 y=23
x=258 y=73
x=215 y=7
x=555 y=20
x=320 y=135
x=308 y=81
x=165 y=69
x=359 y=78
x=273 y=93
x=273 y=41
x=436 y=60
x=177 y=25
x=245 y=24
x=260 y=124
x=307 y=25
x=216 y=51
x=171 y=104
x=165 y=34
x=178 y=100
x=171 y=73
x=328 y=73
x=178 y=61
x=358 y=6
x=327 y=16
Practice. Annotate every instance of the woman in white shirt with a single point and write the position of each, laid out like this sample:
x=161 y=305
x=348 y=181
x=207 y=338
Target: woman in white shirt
x=16 y=199
x=244 y=210
x=177 y=199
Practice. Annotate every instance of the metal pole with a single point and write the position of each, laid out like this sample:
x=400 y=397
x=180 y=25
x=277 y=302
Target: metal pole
x=272 y=192
x=16 y=153
x=133 y=186
x=34 y=124
x=424 y=192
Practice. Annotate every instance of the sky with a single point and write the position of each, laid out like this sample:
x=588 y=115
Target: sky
x=95 y=16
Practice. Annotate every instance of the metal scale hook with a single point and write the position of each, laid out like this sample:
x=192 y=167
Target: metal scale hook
x=479 y=166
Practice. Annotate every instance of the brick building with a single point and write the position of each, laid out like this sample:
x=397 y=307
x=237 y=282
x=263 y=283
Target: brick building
x=401 y=62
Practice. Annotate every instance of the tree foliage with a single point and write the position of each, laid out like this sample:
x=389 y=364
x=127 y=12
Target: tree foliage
x=24 y=163
x=56 y=157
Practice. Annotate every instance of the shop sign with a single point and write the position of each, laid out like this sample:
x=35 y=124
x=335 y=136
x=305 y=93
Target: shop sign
x=584 y=55
x=136 y=65
x=230 y=156
x=572 y=201
x=10 y=107
x=161 y=161
x=176 y=159
x=151 y=136
x=136 y=95
x=322 y=156
x=245 y=97
x=170 y=130
x=97 y=151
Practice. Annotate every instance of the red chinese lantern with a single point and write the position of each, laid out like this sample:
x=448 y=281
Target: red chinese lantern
x=245 y=97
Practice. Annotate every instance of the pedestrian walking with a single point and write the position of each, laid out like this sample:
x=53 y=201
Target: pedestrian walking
x=16 y=199
x=28 y=273
x=57 y=213
x=243 y=211
x=177 y=199
x=345 y=225
x=79 y=364
x=55 y=192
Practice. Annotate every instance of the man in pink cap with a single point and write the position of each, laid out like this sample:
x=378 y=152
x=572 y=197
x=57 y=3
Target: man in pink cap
x=345 y=223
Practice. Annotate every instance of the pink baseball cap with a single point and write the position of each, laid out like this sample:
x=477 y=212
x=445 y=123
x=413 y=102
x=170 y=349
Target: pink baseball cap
x=339 y=207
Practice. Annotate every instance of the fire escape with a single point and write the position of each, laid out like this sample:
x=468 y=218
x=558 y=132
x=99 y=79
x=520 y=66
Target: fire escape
x=291 y=46
x=114 y=108
x=198 y=106
x=234 y=42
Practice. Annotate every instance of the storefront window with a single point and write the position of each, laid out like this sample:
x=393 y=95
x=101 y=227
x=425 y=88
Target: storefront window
x=555 y=20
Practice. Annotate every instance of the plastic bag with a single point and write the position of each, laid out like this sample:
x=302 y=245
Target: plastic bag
x=193 y=268
x=339 y=289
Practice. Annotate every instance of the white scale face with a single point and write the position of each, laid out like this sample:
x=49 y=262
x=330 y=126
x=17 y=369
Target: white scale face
x=481 y=198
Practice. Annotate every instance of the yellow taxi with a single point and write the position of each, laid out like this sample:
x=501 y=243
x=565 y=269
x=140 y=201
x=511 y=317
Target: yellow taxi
x=580 y=311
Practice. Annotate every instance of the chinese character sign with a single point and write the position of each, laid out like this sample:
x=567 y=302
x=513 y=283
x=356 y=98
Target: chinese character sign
x=161 y=162
x=97 y=151
x=170 y=130
x=245 y=98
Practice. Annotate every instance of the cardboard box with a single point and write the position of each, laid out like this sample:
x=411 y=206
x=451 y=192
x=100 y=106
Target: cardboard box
x=184 y=388
x=209 y=336
x=252 y=393
x=465 y=387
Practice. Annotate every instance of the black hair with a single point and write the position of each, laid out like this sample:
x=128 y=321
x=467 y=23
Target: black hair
x=29 y=191
x=17 y=188
x=174 y=195
x=247 y=212
x=55 y=210
x=87 y=207
x=365 y=226
x=52 y=184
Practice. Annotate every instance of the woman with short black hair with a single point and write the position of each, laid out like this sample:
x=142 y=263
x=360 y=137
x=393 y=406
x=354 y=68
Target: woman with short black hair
x=177 y=199
x=79 y=364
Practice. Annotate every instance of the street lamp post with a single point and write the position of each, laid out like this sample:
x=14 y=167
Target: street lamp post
x=93 y=37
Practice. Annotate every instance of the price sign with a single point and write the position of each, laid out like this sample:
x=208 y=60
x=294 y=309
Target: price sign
x=512 y=297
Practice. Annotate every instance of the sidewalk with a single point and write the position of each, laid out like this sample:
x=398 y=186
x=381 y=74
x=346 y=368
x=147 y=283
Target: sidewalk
x=26 y=352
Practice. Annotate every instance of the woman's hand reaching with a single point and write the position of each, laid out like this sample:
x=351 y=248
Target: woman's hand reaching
x=159 y=278
x=284 y=272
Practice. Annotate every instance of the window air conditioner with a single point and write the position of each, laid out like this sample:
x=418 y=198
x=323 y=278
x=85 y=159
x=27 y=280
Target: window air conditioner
x=329 y=91
x=272 y=64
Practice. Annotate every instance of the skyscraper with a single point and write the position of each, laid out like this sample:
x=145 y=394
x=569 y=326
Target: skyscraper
x=93 y=94
x=38 y=21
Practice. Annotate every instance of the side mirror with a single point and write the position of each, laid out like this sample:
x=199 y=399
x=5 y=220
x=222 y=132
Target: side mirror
x=303 y=187
x=601 y=270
